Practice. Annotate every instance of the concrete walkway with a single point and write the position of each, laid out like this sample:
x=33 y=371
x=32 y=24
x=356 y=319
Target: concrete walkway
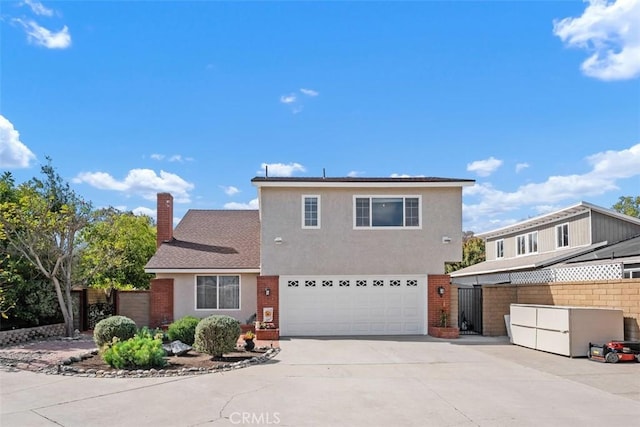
x=404 y=381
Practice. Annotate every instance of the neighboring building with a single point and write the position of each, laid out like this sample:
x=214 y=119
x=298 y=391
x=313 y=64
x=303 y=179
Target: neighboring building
x=548 y=248
x=324 y=256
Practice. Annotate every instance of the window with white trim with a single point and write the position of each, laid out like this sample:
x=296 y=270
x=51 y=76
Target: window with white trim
x=310 y=211
x=500 y=248
x=527 y=243
x=632 y=273
x=217 y=292
x=386 y=212
x=562 y=236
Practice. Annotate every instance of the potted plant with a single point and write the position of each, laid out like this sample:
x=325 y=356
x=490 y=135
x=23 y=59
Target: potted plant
x=248 y=341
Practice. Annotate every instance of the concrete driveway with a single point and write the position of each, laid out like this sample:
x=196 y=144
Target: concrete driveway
x=402 y=381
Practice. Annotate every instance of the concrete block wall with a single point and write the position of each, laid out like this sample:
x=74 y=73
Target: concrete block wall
x=621 y=294
x=18 y=336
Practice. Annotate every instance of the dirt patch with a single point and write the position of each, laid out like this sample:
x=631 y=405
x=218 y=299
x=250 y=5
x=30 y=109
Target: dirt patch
x=193 y=359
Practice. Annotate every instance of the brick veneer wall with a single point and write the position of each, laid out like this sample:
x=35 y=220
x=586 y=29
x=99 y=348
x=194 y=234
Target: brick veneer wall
x=272 y=300
x=17 y=336
x=621 y=294
x=135 y=305
x=161 y=302
x=436 y=304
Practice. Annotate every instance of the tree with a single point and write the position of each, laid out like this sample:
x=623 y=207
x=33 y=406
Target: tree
x=116 y=249
x=473 y=252
x=628 y=206
x=41 y=222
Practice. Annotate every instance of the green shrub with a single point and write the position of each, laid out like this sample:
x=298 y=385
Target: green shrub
x=216 y=335
x=139 y=352
x=120 y=327
x=184 y=329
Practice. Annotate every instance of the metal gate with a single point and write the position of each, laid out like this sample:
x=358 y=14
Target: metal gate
x=470 y=310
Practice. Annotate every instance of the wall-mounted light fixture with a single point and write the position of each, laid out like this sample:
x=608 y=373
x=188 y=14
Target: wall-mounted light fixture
x=278 y=240
x=441 y=291
x=446 y=239
x=267 y=291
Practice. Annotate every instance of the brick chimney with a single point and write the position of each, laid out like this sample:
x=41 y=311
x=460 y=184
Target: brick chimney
x=164 y=218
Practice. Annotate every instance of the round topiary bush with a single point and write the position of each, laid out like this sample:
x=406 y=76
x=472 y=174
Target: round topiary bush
x=114 y=326
x=183 y=329
x=216 y=335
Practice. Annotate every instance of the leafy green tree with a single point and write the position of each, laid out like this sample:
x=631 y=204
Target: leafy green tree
x=116 y=249
x=628 y=205
x=41 y=220
x=473 y=252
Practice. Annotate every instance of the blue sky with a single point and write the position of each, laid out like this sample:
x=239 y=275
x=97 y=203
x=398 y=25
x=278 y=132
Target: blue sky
x=539 y=102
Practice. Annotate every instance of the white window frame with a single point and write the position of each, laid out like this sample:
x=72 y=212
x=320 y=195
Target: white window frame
x=217 y=276
x=387 y=196
x=528 y=240
x=304 y=206
x=560 y=233
x=631 y=273
x=500 y=249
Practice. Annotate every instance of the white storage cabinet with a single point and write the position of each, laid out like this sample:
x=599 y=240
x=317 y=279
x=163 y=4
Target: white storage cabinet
x=564 y=330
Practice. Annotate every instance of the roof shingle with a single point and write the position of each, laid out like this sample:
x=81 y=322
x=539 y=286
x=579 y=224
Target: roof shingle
x=211 y=239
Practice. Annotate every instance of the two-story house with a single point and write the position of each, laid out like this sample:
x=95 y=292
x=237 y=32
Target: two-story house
x=546 y=248
x=337 y=256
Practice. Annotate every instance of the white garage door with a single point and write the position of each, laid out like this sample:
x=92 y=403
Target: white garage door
x=339 y=305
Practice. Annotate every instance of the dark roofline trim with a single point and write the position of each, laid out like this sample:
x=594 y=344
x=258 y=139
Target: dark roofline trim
x=360 y=182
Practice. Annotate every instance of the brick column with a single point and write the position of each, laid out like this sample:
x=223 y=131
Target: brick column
x=161 y=302
x=164 y=220
x=271 y=300
x=436 y=304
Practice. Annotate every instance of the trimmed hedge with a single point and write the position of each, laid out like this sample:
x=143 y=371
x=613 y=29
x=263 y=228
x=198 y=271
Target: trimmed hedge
x=184 y=330
x=216 y=335
x=120 y=327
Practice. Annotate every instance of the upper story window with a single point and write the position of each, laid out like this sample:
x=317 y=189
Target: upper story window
x=310 y=211
x=527 y=243
x=500 y=248
x=387 y=212
x=562 y=236
x=217 y=292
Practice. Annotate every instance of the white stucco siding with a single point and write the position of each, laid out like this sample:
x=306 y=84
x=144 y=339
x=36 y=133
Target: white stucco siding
x=184 y=296
x=339 y=248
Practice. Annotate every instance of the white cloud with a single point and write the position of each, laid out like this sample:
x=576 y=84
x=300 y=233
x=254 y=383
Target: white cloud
x=354 y=174
x=253 y=204
x=176 y=158
x=288 y=99
x=521 y=166
x=41 y=36
x=145 y=211
x=38 y=8
x=229 y=190
x=141 y=182
x=404 y=175
x=606 y=168
x=484 y=167
x=610 y=32
x=309 y=92
x=281 y=169
x=13 y=153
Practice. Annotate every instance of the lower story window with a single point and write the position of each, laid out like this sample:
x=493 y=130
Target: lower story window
x=218 y=292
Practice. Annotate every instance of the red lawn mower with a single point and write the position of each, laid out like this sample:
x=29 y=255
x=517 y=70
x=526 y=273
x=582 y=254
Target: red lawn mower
x=615 y=351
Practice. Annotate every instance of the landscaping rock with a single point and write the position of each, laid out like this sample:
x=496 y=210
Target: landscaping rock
x=179 y=348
